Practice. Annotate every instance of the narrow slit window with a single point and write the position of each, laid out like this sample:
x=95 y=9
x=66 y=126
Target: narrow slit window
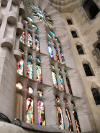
x=88 y=70
x=80 y=49
x=96 y=95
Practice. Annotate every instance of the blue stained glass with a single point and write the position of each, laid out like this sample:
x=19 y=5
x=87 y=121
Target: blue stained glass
x=50 y=51
x=20 y=67
x=61 y=82
x=26 y=22
x=29 y=70
x=30 y=19
x=53 y=34
x=38 y=59
x=30 y=29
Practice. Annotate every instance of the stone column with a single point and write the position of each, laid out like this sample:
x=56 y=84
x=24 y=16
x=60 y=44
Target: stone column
x=50 y=108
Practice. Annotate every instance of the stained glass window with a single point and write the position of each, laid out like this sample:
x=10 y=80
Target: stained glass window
x=38 y=59
x=76 y=122
x=29 y=40
x=60 y=118
x=22 y=38
x=39 y=73
x=60 y=71
x=20 y=67
x=19 y=86
x=40 y=93
x=42 y=15
x=29 y=111
x=50 y=51
x=30 y=90
x=30 y=56
x=57 y=99
x=56 y=53
x=41 y=114
x=54 y=78
x=68 y=119
x=69 y=86
x=62 y=55
x=29 y=70
x=37 y=42
x=61 y=82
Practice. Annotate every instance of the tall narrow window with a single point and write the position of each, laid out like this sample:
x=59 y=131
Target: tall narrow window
x=29 y=111
x=96 y=95
x=29 y=40
x=79 y=49
x=91 y=8
x=76 y=122
x=22 y=38
x=39 y=73
x=62 y=55
x=29 y=69
x=61 y=81
x=50 y=51
x=60 y=118
x=37 y=42
x=69 y=86
x=69 y=121
x=41 y=114
x=88 y=70
x=54 y=76
x=20 y=67
x=56 y=53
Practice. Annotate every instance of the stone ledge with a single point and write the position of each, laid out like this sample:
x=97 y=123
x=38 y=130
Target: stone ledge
x=10 y=128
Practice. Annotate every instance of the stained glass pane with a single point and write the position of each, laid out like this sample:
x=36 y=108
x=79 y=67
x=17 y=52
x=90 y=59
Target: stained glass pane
x=22 y=38
x=57 y=99
x=37 y=43
x=60 y=118
x=30 y=90
x=56 y=54
x=20 y=67
x=29 y=70
x=19 y=86
x=68 y=119
x=50 y=51
x=62 y=55
x=30 y=20
x=76 y=122
x=59 y=69
x=61 y=82
x=54 y=78
x=69 y=85
x=29 y=40
x=29 y=111
x=38 y=59
x=39 y=73
x=30 y=56
x=41 y=114
x=40 y=93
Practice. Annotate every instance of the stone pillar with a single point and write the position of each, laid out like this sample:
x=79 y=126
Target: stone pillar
x=50 y=108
